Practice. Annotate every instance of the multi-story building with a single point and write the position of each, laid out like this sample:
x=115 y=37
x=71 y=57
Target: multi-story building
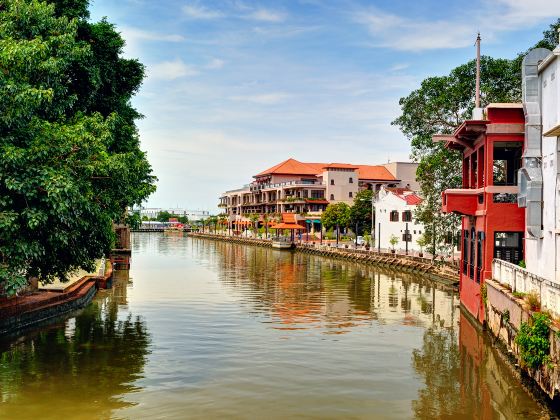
x=394 y=217
x=298 y=187
x=539 y=178
x=492 y=224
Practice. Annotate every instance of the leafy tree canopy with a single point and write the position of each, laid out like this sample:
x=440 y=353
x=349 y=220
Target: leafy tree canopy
x=360 y=212
x=337 y=214
x=70 y=159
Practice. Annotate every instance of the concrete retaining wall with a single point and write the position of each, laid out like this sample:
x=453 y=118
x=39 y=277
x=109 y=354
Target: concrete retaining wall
x=499 y=302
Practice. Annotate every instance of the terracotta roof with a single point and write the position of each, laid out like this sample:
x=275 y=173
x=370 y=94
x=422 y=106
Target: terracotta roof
x=295 y=167
x=289 y=218
x=374 y=172
x=291 y=167
x=340 y=165
x=291 y=226
x=406 y=194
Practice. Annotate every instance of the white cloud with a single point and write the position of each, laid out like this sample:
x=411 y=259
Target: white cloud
x=263 y=98
x=196 y=11
x=215 y=64
x=134 y=37
x=413 y=34
x=170 y=70
x=131 y=33
x=266 y=15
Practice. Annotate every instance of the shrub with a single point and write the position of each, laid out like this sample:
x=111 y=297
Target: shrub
x=533 y=301
x=519 y=295
x=534 y=347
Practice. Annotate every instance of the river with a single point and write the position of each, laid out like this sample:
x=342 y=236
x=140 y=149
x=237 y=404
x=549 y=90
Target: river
x=204 y=329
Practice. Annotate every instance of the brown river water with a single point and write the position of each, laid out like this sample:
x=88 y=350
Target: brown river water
x=200 y=329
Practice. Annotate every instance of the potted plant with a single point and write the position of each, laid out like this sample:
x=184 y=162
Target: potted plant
x=393 y=240
x=422 y=242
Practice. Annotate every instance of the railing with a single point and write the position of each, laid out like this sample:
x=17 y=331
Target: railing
x=286 y=184
x=518 y=279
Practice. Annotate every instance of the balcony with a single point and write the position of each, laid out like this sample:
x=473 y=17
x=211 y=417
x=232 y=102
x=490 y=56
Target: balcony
x=460 y=201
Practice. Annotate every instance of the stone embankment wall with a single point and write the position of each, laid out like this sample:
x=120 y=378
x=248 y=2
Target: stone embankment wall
x=504 y=315
x=443 y=273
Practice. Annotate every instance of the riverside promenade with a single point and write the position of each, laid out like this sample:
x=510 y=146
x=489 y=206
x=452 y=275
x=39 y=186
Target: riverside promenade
x=443 y=272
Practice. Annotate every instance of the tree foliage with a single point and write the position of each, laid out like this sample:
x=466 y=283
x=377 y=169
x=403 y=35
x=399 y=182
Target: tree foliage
x=70 y=158
x=439 y=105
x=337 y=214
x=360 y=212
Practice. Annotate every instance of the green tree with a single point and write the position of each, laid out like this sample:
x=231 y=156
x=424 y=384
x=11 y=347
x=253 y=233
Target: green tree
x=336 y=215
x=68 y=168
x=164 y=216
x=360 y=212
x=439 y=105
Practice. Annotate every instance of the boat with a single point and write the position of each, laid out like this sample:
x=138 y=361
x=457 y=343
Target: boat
x=282 y=243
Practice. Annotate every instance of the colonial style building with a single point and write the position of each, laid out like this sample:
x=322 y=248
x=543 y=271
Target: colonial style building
x=493 y=225
x=394 y=217
x=307 y=188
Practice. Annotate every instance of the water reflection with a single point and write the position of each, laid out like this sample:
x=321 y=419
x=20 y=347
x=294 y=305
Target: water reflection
x=80 y=366
x=247 y=332
x=300 y=291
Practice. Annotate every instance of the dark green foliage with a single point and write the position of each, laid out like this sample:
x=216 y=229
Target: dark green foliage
x=70 y=166
x=533 y=341
x=360 y=212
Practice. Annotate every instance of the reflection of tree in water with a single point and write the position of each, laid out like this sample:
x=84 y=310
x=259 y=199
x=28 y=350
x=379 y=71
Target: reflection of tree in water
x=88 y=362
x=438 y=363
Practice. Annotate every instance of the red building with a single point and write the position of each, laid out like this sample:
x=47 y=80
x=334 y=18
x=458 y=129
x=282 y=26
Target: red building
x=493 y=225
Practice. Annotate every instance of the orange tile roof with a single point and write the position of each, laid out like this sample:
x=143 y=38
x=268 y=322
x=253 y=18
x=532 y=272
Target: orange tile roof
x=289 y=218
x=295 y=167
x=374 y=172
x=290 y=167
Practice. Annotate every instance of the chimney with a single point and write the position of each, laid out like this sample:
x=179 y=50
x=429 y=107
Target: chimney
x=478 y=113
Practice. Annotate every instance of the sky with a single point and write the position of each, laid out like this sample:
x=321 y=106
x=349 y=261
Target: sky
x=235 y=86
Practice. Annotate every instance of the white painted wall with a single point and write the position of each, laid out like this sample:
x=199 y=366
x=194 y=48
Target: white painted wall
x=386 y=203
x=542 y=256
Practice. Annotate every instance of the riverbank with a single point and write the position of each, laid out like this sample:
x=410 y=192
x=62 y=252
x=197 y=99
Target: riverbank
x=33 y=308
x=443 y=273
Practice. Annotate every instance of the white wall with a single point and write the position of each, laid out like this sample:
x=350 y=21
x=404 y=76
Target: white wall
x=386 y=203
x=542 y=256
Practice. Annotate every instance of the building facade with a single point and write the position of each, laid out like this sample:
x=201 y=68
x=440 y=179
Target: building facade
x=493 y=225
x=539 y=178
x=307 y=188
x=394 y=216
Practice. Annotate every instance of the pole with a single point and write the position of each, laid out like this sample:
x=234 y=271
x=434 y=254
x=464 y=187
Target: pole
x=356 y=235
x=477 y=93
x=406 y=238
x=372 y=219
x=379 y=237
x=337 y=231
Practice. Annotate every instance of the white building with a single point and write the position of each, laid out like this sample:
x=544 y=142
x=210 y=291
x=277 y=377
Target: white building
x=540 y=175
x=394 y=212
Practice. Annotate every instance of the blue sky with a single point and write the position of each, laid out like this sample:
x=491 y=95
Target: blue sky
x=234 y=87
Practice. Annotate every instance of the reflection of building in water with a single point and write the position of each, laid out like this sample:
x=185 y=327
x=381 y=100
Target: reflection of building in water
x=301 y=291
x=463 y=377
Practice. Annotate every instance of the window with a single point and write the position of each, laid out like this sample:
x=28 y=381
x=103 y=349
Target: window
x=465 y=251
x=350 y=194
x=350 y=180
x=332 y=181
x=479 y=250
x=508 y=246
x=471 y=256
x=507 y=161
x=332 y=196
x=407 y=216
x=394 y=216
